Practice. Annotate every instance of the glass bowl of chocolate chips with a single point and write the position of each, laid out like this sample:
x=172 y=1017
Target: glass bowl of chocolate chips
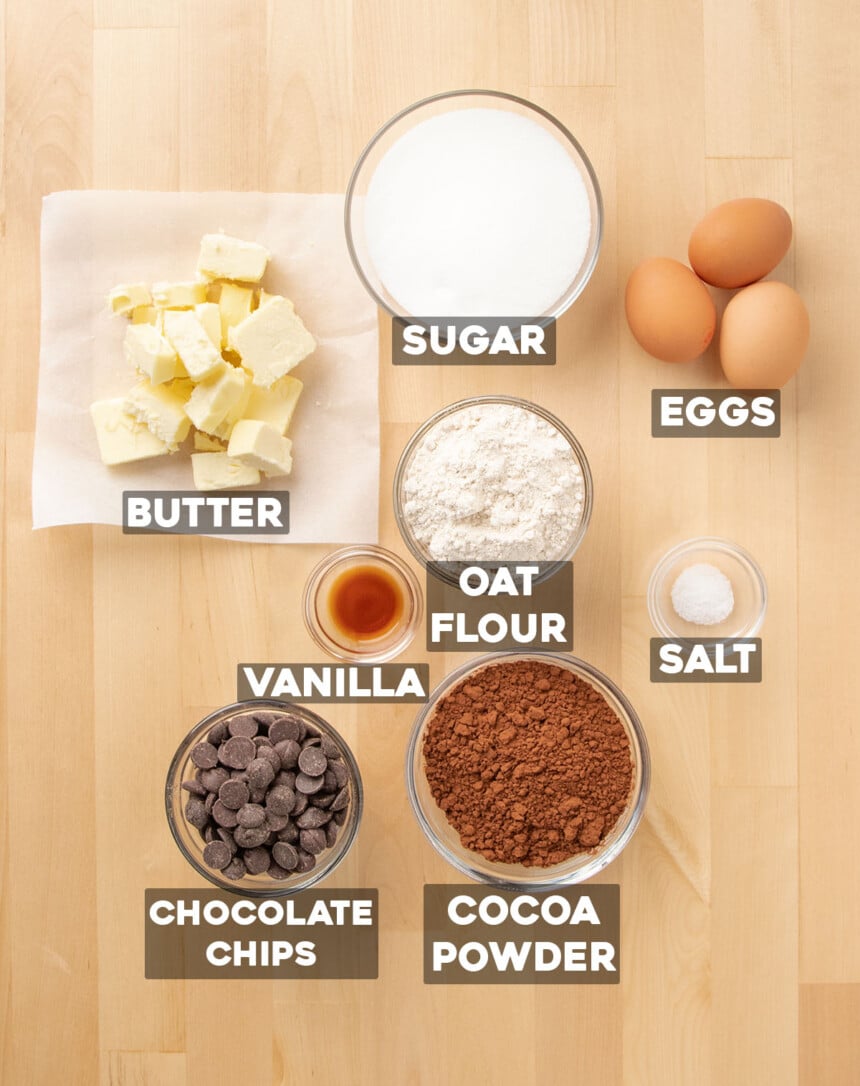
x=263 y=798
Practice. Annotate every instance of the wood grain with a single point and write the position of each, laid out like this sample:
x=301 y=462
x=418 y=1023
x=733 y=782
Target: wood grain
x=741 y=955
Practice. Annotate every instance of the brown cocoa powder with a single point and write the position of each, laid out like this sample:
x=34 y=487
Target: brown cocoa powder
x=529 y=763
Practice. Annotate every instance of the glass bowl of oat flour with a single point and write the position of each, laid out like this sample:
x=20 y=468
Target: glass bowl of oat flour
x=474 y=203
x=492 y=479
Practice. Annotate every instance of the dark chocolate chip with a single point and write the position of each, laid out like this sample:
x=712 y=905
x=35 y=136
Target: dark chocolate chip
x=287 y=727
x=313 y=762
x=331 y=832
x=312 y=818
x=260 y=774
x=280 y=800
x=204 y=756
x=195 y=787
x=286 y=778
x=209 y=802
x=285 y=855
x=267 y=717
x=224 y=816
x=289 y=751
x=228 y=839
x=212 y=779
x=209 y=832
x=312 y=841
x=290 y=833
x=323 y=800
x=271 y=756
x=217 y=855
x=258 y=795
x=252 y=814
x=275 y=822
x=341 y=800
x=306 y=861
x=243 y=724
x=330 y=749
x=330 y=781
x=233 y=794
x=340 y=772
x=311 y=741
x=308 y=786
x=235 y=869
x=196 y=813
x=256 y=860
x=302 y=802
x=339 y=817
x=237 y=752
x=277 y=872
x=218 y=733
x=250 y=836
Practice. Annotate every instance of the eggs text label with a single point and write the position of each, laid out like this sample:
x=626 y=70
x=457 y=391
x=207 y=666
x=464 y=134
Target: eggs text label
x=469 y=341
x=707 y=412
x=705 y=660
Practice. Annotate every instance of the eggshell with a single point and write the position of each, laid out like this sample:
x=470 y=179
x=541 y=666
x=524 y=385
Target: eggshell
x=740 y=242
x=669 y=310
x=763 y=336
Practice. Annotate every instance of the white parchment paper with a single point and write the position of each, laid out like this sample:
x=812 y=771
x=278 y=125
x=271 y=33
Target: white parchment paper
x=92 y=241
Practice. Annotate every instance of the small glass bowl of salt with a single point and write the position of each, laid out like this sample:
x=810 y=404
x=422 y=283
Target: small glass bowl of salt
x=707 y=587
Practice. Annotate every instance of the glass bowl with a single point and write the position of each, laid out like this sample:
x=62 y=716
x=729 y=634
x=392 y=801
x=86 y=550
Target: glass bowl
x=427 y=108
x=318 y=613
x=748 y=585
x=449 y=571
x=188 y=838
x=445 y=839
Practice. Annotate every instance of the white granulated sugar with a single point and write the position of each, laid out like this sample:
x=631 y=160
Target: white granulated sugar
x=493 y=482
x=477 y=212
x=703 y=594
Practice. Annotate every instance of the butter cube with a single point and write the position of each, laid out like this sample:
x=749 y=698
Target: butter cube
x=275 y=405
x=272 y=341
x=147 y=350
x=225 y=428
x=194 y=347
x=214 y=396
x=218 y=471
x=122 y=439
x=235 y=305
x=223 y=257
x=145 y=314
x=207 y=443
x=179 y=295
x=162 y=409
x=209 y=316
x=124 y=298
x=260 y=446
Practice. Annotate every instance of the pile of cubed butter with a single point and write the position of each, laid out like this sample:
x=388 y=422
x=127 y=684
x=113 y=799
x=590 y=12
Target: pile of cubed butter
x=212 y=355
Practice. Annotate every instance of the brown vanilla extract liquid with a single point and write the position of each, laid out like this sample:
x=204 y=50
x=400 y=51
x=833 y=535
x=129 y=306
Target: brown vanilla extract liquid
x=365 y=602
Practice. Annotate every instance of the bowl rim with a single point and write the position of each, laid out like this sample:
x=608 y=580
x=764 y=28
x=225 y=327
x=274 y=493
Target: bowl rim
x=173 y=784
x=585 y=271
x=386 y=557
x=471 y=401
x=690 y=546
x=638 y=745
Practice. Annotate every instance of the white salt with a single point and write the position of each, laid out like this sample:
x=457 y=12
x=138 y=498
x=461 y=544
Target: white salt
x=477 y=212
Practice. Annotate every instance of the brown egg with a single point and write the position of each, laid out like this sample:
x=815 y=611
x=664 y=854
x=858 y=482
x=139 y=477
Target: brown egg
x=763 y=336
x=669 y=310
x=740 y=242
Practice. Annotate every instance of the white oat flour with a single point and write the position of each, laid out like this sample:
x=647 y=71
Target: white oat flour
x=494 y=482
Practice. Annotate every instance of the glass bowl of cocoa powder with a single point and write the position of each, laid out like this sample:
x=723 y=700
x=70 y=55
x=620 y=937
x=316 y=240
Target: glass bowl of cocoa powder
x=528 y=770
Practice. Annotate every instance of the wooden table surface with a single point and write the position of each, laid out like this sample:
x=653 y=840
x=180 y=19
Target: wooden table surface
x=741 y=948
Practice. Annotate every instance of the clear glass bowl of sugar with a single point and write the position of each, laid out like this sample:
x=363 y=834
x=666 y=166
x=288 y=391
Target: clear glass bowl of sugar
x=474 y=203
x=749 y=589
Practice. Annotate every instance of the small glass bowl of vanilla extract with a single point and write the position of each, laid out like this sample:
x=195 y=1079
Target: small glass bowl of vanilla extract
x=362 y=604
